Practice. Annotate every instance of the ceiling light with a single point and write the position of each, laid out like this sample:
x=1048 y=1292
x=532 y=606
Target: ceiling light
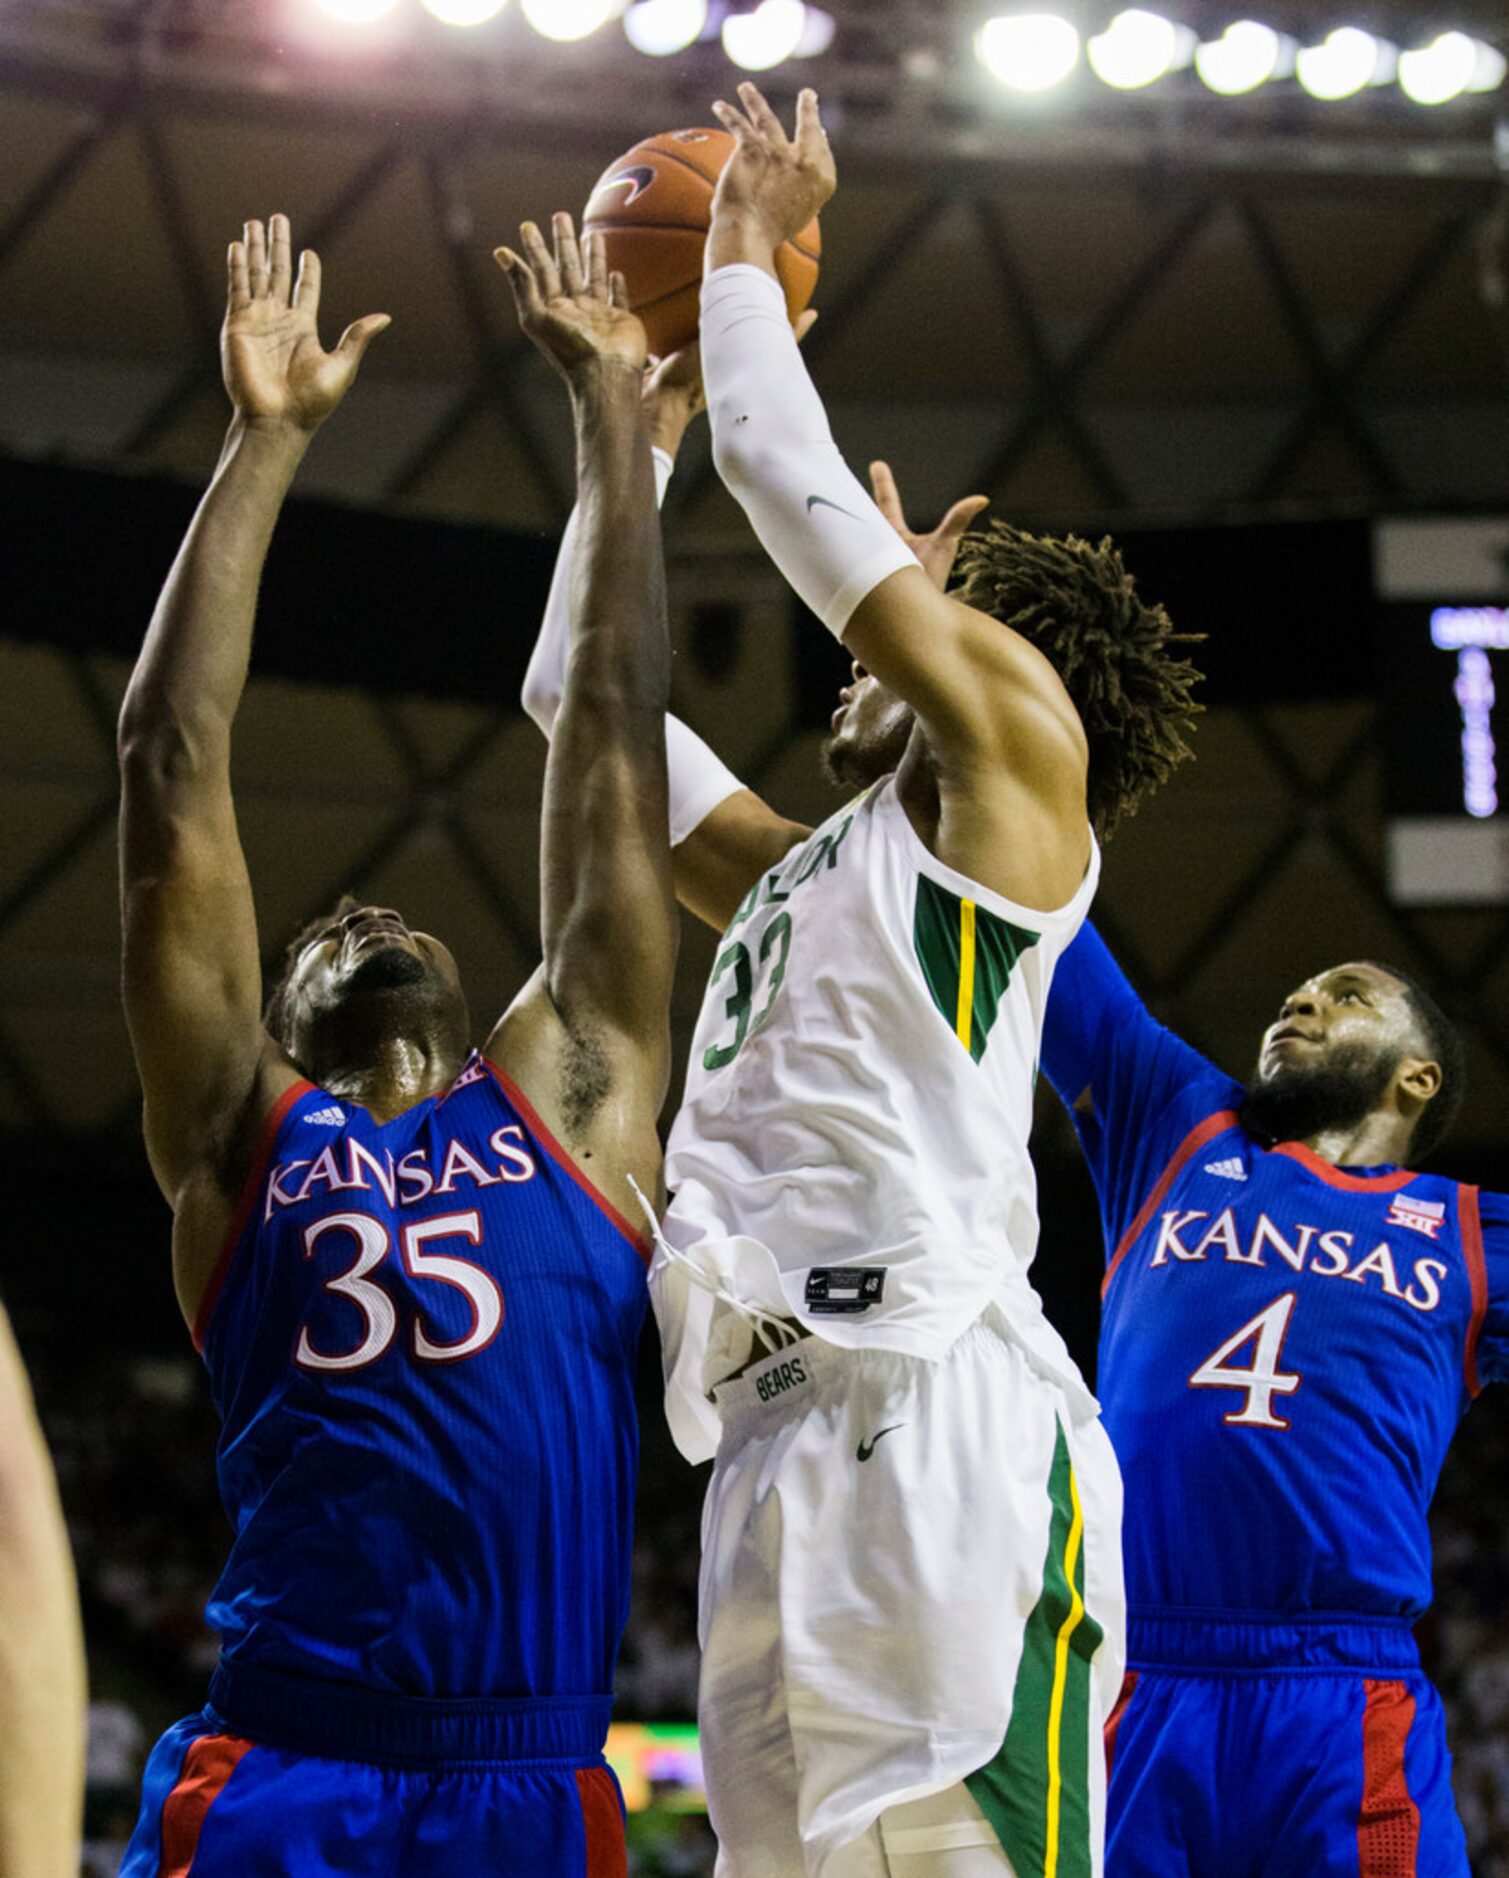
x=569 y=19
x=1345 y=62
x=1137 y=48
x=817 y=34
x=661 y=27
x=465 y=12
x=768 y=36
x=1028 y=51
x=1246 y=55
x=1447 y=67
x=356 y=12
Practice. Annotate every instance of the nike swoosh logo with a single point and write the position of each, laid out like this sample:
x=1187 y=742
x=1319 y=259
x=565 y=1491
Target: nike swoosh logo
x=867 y=1448
x=814 y=501
x=637 y=181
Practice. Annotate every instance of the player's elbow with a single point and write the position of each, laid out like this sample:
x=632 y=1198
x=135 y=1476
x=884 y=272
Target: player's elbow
x=541 y=701
x=743 y=457
x=162 y=745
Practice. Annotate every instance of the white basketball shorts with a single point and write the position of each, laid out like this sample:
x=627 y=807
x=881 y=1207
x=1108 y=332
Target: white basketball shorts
x=911 y=1578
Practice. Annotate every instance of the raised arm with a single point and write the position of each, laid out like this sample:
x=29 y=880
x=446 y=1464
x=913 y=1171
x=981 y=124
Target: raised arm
x=1120 y=1073
x=41 y=1648
x=609 y=917
x=1010 y=752
x=723 y=836
x=192 y=978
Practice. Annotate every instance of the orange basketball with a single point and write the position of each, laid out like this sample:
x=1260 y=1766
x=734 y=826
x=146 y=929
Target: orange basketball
x=653 y=207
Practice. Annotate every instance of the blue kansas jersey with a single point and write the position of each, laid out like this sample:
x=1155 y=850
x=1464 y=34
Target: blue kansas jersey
x=1286 y=1347
x=422 y=1343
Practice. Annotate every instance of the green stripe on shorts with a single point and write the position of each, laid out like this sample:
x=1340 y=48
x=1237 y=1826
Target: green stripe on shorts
x=1036 y=1790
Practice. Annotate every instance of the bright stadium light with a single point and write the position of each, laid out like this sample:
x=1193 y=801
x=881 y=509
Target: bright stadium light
x=817 y=34
x=569 y=19
x=1138 y=48
x=1246 y=55
x=465 y=12
x=768 y=36
x=661 y=27
x=356 y=12
x=1447 y=67
x=1028 y=51
x=1345 y=62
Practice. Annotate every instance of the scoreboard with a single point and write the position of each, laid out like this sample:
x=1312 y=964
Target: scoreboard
x=1442 y=651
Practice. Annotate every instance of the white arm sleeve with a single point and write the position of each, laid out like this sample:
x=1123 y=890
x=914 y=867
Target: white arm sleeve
x=545 y=679
x=699 y=780
x=775 y=452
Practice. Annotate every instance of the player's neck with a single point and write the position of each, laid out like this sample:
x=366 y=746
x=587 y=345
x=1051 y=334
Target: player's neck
x=1377 y=1140
x=401 y=1072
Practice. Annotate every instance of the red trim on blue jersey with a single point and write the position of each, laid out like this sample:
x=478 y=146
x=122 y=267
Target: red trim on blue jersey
x=207 y=1766
x=563 y=1160
x=1388 y=1821
x=1470 y=1220
x=1338 y=1177
x=602 y=1818
x=1116 y=1717
x=1192 y=1143
x=249 y=1192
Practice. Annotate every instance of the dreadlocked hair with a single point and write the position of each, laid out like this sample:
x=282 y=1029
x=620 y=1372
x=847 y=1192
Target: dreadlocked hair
x=1079 y=606
x=276 y=1014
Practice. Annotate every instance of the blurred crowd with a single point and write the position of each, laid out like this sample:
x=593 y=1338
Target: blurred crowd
x=134 y=1441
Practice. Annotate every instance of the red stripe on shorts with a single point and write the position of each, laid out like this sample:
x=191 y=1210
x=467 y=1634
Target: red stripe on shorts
x=1388 y=1823
x=607 y=1854
x=1113 y=1720
x=208 y=1765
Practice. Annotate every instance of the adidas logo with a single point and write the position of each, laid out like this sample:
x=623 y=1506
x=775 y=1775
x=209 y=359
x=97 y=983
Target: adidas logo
x=332 y=1117
x=1227 y=1170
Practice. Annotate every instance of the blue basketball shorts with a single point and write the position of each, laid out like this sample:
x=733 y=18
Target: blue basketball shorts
x=221 y=1803
x=1263 y=1750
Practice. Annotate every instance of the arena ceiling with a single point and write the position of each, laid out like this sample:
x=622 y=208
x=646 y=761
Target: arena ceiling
x=1118 y=311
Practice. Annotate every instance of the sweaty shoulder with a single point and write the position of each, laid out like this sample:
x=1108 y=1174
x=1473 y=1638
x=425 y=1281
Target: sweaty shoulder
x=967 y=870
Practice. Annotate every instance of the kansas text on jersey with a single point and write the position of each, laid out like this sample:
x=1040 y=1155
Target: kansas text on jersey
x=1286 y=1346
x=421 y=1342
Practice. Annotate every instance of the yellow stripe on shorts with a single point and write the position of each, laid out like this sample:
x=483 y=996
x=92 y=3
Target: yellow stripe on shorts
x=1035 y=1790
x=1061 y=1679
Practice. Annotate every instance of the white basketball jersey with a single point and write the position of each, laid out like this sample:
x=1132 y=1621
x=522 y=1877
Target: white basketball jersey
x=852 y=1149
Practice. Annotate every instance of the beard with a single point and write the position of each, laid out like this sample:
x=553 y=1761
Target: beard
x=389 y=968
x=1297 y=1103
x=391 y=993
x=851 y=766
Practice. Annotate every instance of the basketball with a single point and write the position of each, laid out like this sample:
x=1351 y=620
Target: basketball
x=653 y=207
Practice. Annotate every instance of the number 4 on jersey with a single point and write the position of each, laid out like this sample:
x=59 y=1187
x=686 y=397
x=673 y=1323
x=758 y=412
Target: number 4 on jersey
x=1262 y=1379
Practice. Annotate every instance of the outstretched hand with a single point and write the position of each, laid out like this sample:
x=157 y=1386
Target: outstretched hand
x=275 y=369
x=573 y=309
x=779 y=181
x=937 y=550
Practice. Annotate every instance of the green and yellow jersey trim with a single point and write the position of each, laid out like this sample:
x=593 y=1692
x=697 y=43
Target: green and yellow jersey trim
x=967 y=955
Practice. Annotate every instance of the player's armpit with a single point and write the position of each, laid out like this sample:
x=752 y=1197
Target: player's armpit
x=596 y=1095
x=727 y=852
x=981 y=689
x=1009 y=751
